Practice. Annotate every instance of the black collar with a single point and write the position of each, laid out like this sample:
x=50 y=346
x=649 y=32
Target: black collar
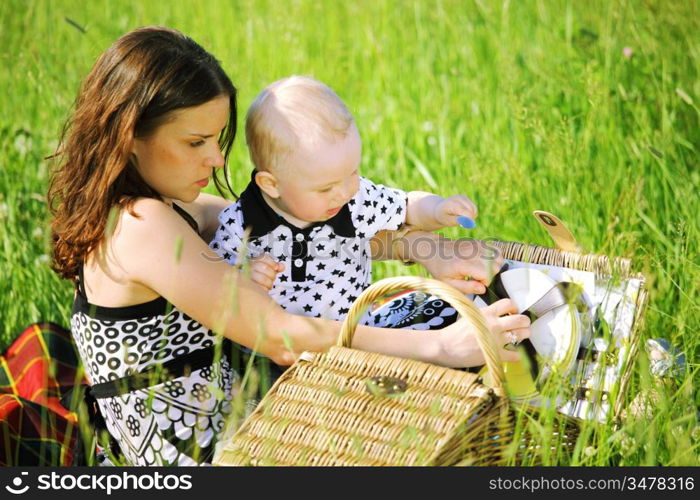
x=258 y=215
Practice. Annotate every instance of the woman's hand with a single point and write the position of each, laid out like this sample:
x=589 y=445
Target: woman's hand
x=507 y=326
x=467 y=265
x=458 y=342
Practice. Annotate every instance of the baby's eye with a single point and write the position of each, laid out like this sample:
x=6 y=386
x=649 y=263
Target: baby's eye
x=325 y=190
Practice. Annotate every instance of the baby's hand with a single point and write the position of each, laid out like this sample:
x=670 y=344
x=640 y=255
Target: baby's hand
x=447 y=210
x=263 y=270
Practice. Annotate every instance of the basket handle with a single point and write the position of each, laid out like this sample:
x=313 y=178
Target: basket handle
x=557 y=230
x=454 y=297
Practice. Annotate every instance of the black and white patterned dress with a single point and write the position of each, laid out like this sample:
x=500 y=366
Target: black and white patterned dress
x=173 y=423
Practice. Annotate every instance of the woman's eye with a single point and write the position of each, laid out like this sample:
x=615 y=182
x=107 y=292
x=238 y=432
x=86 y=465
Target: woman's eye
x=196 y=144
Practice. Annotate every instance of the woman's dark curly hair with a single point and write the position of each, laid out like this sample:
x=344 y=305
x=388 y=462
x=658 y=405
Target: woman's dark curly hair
x=132 y=89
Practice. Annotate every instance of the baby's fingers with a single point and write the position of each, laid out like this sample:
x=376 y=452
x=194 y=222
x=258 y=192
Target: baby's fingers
x=265 y=266
x=467 y=286
x=262 y=279
x=461 y=205
x=264 y=259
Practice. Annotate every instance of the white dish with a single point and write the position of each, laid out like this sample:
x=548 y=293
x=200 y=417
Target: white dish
x=526 y=286
x=556 y=337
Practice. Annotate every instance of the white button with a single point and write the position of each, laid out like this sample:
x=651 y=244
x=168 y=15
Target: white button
x=298 y=262
x=299 y=237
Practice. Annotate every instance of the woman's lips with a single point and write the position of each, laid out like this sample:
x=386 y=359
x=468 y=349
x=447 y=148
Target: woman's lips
x=203 y=182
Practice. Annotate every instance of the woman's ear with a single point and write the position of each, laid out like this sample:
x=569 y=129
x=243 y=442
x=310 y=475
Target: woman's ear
x=267 y=182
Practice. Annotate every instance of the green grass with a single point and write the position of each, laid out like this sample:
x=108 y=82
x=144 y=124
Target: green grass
x=522 y=105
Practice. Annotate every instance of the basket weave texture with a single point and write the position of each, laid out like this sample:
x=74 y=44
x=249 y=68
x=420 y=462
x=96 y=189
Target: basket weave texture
x=331 y=409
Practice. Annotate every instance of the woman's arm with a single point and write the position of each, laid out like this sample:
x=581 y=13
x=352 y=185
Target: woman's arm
x=159 y=250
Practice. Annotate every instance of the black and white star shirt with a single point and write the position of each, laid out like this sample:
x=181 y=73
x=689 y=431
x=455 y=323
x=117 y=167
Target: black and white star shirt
x=327 y=264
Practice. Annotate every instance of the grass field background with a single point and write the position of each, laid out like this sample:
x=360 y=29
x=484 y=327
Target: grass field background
x=585 y=109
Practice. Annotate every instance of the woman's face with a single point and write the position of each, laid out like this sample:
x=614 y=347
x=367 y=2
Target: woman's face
x=179 y=157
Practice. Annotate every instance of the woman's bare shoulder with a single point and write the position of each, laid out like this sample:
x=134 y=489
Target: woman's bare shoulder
x=145 y=214
x=133 y=239
x=145 y=229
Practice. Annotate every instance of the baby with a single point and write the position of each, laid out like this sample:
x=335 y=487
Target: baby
x=307 y=216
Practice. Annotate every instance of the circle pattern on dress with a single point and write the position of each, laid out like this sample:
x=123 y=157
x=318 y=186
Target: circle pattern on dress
x=162 y=424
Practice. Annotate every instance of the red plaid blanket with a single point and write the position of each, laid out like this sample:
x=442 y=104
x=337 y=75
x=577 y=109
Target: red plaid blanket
x=36 y=370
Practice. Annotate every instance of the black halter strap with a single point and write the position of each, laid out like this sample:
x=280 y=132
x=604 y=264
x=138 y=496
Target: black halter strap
x=190 y=220
x=81 y=281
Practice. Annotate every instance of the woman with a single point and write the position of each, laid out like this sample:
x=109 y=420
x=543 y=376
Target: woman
x=154 y=120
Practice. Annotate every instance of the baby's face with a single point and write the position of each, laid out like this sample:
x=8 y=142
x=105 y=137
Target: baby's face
x=320 y=178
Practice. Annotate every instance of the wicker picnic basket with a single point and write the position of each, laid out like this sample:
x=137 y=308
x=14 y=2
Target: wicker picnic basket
x=351 y=407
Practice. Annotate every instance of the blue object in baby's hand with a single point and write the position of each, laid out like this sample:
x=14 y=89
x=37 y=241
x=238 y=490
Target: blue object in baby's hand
x=466 y=222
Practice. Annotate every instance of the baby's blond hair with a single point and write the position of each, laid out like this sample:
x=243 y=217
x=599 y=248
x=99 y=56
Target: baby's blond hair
x=289 y=110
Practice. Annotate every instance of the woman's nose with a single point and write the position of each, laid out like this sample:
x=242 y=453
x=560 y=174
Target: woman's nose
x=216 y=159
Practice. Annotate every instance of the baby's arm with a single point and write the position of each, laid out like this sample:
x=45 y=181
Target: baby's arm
x=429 y=211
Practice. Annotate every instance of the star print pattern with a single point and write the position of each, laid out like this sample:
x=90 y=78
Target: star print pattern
x=324 y=271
